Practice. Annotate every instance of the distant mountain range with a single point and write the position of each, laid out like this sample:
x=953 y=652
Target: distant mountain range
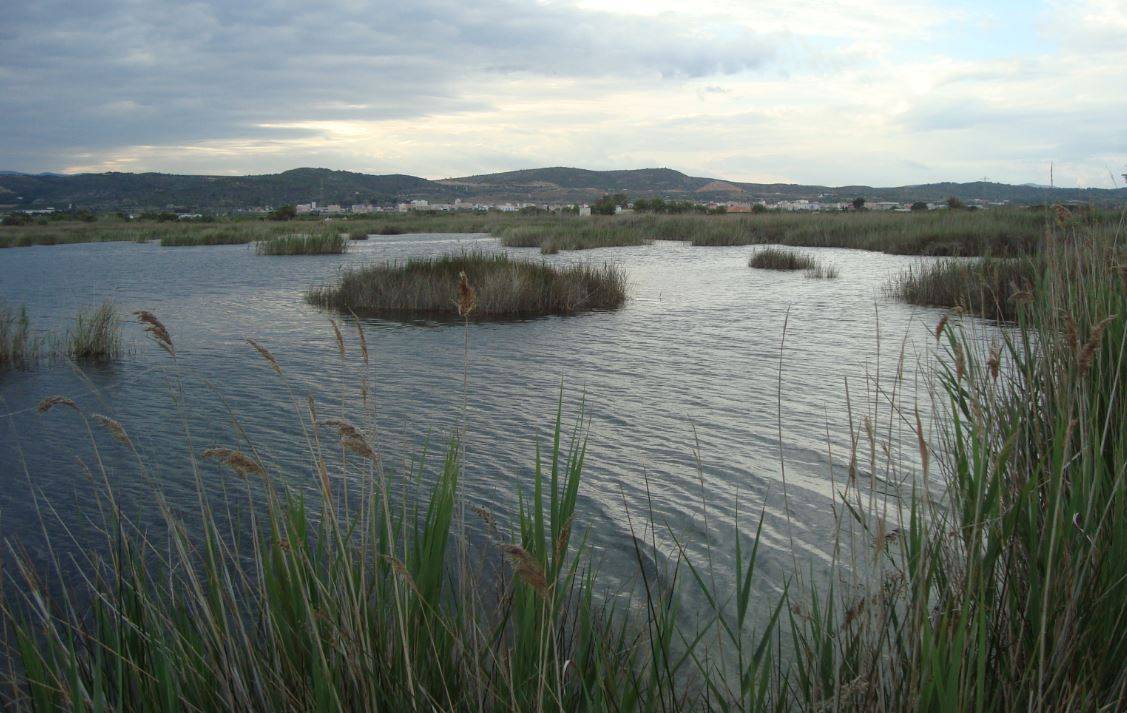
x=540 y=185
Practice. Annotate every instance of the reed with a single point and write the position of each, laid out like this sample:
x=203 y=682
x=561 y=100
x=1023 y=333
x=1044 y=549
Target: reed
x=821 y=271
x=505 y=287
x=776 y=259
x=988 y=287
x=995 y=579
x=996 y=232
x=19 y=349
x=327 y=243
x=95 y=336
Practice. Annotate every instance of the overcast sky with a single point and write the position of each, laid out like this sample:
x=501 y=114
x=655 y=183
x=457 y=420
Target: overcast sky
x=881 y=92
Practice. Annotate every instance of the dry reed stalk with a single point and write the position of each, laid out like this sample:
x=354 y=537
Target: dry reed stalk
x=352 y=439
x=994 y=361
x=154 y=327
x=363 y=340
x=52 y=401
x=339 y=336
x=467 y=298
x=1084 y=360
x=265 y=355
x=939 y=327
x=238 y=461
x=115 y=428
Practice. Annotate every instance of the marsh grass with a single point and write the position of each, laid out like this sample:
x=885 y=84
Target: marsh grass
x=504 y=286
x=95 y=336
x=995 y=579
x=996 y=232
x=822 y=271
x=776 y=259
x=19 y=349
x=326 y=243
x=988 y=287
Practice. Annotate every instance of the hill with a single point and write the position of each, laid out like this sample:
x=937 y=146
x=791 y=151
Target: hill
x=113 y=191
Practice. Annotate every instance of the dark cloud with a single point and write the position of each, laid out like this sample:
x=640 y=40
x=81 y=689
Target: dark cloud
x=86 y=77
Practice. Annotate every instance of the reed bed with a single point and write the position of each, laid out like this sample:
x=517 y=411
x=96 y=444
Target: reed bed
x=327 y=243
x=502 y=287
x=996 y=232
x=94 y=336
x=1005 y=589
x=776 y=259
x=822 y=271
x=574 y=234
x=988 y=287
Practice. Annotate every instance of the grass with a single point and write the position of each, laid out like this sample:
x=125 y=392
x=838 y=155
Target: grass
x=822 y=271
x=995 y=232
x=988 y=287
x=19 y=349
x=328 y=243
x=1004 y=589
x=776 y=259
x=780 y=259
x=502 y=287
x=94 y=336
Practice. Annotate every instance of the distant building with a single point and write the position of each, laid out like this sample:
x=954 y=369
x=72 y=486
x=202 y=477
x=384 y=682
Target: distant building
x=362 y=208
x=303 y=208
x=585 y=210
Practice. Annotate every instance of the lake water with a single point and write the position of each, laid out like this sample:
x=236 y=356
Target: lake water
x=682 y=385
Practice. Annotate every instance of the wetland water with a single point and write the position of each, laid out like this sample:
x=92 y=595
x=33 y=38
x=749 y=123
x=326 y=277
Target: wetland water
x=689 y=367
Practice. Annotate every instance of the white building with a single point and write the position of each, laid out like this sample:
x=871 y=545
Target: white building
x=362 y=208
x=303 y=208
x=585 y=210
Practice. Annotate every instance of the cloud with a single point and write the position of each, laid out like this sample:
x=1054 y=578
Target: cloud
x=860 y=91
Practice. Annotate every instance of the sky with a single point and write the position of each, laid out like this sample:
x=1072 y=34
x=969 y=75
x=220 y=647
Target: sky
x=876 y=92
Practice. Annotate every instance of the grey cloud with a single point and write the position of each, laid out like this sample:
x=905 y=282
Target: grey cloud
x=91 y=76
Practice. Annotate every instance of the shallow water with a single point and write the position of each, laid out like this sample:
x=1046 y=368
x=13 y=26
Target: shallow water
x=689 y=367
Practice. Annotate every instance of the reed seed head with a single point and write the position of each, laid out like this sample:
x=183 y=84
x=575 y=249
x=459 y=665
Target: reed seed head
x=265 y=355
x=527 y=569
x=116 y=430
x=237 y=461
x=467 y=298
x=52 y=401
x=155 y=328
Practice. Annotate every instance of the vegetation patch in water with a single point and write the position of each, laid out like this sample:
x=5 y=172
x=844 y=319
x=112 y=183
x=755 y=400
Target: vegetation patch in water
x=987 y=287
x=331 y=243
x=776 y=259
x=502 y=287
x=95 y=336
x=19 y=349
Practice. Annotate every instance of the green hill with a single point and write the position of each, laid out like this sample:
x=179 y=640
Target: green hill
x=113 y=191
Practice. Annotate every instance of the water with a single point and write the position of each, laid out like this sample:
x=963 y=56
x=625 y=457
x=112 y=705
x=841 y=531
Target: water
x=682 y=385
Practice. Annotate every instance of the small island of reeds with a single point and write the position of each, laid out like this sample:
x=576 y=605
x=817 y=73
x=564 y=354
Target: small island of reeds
x=500 y=287
x=776 y=259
